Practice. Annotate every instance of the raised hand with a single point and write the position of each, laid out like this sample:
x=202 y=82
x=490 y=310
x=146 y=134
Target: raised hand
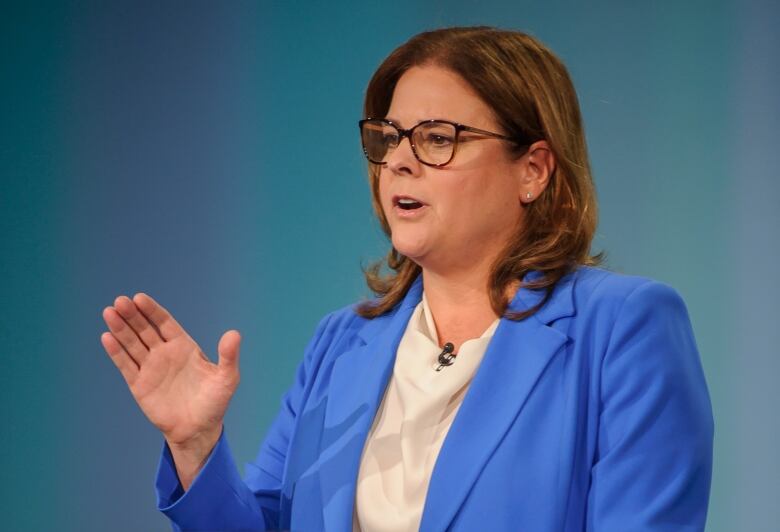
x=181 y=392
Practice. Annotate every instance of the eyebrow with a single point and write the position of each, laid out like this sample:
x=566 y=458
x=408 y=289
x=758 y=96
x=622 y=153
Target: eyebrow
x=398 y=122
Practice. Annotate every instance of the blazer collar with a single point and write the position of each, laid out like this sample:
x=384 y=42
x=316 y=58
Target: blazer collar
x=514 y=360
x=375 y=327
x=358 y=379
x=560 y=304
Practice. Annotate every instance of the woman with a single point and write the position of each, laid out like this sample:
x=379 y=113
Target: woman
x=498 y=381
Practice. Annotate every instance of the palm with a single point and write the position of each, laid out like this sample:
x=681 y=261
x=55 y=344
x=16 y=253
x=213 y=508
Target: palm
x=178 y=390
x=177 y=387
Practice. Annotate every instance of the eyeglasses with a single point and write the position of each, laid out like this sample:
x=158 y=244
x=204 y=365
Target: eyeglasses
x=434 y=142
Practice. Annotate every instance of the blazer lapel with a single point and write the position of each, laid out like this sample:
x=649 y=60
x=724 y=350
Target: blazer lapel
x=358 y=380
x=515 y=358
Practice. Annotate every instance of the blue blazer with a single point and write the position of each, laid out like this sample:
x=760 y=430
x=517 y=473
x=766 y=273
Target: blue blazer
x=591 y=415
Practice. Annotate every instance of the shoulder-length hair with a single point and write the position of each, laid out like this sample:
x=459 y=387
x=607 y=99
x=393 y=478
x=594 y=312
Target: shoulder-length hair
x=532 y=96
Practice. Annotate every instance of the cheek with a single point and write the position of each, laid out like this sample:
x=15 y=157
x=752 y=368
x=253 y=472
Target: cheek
x=482 y=194
x=485 y=204
x=382 y=191
x=384 y=194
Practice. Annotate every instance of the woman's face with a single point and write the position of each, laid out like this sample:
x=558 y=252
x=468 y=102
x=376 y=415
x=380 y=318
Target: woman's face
x=472 y=206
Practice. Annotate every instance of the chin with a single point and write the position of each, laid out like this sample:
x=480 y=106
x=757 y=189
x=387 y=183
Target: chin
x=409 y=248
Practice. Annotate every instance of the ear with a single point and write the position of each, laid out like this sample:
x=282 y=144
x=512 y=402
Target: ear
x=536 y=169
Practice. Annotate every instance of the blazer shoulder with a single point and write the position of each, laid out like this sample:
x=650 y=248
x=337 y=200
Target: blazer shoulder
x=601 y=288
x=344 y=320
x=344 y=323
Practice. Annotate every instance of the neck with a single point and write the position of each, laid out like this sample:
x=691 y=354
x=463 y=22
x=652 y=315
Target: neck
x=459 y=300
x=460 y=306
x=465 y=292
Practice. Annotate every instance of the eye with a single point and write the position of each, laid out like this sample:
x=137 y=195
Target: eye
x=438 y=140
x=389 y=138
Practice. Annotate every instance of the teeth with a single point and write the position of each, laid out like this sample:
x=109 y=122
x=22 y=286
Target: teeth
x=408 y=204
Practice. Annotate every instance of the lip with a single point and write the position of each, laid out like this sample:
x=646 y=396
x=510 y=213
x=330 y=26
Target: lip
x=406 y=196
x=407 y=213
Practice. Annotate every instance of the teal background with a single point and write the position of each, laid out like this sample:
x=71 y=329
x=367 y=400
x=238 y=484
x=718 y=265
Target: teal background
x=207 y=153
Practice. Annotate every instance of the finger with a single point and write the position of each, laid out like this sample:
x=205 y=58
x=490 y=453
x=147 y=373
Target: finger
x=125 y=335
x=158 y=316
x=127 y=309
x=228 y=349
x=127 y=367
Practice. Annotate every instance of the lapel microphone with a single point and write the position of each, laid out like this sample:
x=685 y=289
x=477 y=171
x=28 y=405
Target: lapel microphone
x=446 y=357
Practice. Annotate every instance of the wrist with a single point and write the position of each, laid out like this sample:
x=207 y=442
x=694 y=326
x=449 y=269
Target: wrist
x=200 y=444
x=191 y=455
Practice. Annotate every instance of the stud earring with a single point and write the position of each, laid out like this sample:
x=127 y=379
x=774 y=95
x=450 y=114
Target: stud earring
x=528 y=195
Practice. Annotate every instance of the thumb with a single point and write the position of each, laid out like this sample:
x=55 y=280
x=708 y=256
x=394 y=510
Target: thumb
x=228 y=351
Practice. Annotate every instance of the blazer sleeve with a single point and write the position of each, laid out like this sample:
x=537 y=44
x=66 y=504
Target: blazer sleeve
x=653 y=462
x=218 y=499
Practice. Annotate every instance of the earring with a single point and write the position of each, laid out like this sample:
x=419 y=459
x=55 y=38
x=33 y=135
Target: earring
x=528 y=195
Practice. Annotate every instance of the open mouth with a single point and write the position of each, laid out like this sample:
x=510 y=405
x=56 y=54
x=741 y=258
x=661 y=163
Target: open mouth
x=407 y=203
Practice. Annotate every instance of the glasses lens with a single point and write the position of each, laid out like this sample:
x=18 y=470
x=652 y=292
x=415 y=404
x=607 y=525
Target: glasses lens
x=435 y=142
x=378 y=138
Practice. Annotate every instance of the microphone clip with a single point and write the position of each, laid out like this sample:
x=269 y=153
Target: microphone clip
x=446 y=357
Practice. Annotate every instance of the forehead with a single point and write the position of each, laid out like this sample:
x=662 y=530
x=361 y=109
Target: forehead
x=426 y=92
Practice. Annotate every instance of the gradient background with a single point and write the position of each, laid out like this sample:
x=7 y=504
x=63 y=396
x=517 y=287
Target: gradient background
x=207 y=153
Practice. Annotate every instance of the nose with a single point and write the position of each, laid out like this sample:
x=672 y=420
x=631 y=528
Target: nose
x=402 y=159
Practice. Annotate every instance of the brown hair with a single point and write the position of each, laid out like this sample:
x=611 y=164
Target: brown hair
x=533 y=98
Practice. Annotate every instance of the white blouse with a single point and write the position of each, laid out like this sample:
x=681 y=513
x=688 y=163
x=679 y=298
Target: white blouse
x=409 y=428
